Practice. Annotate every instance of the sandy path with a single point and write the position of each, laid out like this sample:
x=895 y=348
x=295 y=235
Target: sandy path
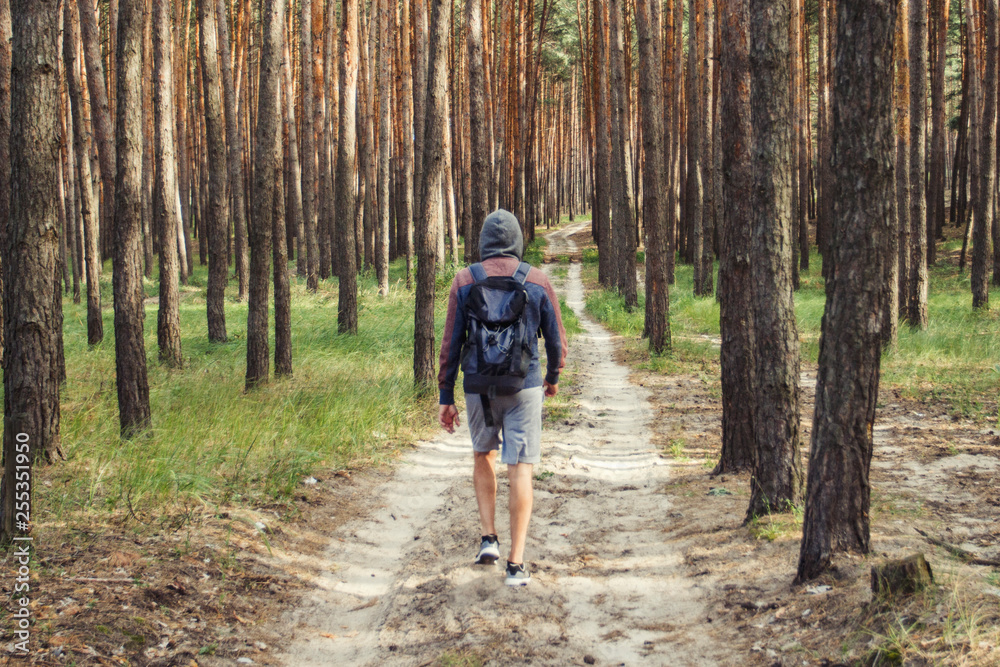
x=401 y=588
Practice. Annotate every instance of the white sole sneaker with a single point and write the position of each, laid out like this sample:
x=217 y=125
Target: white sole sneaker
x=517 y=577
x=489 y=553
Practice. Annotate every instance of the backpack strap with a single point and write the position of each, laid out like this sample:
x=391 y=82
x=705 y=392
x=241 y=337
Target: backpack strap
x=478 y=272
x=521 y=275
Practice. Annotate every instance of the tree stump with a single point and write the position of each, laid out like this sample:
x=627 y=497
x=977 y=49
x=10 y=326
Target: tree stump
x=902 y=577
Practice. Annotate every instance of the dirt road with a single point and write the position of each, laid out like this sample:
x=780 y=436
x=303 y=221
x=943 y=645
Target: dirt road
x=400 y=587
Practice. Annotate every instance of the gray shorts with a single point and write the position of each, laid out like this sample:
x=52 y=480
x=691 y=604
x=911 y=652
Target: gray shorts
x=518 y=418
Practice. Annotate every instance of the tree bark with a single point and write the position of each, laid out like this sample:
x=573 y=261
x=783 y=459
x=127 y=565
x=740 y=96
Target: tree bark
x=130 y=348
x=602 y=152
x=917 y=311
x=623 y=228
x=479 y=140
x=279 y=248
x=267 y=163
x=216 y=227
x=430 y=197
x=983 y=205
x=776 y=484
x=735 y=303
x=935 y=196
x=708 y=152
x=347 y=305
x=294 y=188
x=234 y=136
x=901 y=56
x=5 y=183
x=308 y=156
x=384 y=72
x=838 y=499
x=654 y=175
x=31 y=383
x=101 y=117
x=165 y=209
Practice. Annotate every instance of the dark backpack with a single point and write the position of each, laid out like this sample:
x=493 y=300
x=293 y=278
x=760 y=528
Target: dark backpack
x=497 y=350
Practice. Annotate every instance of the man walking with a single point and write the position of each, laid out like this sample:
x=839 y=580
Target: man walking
x=496 y=310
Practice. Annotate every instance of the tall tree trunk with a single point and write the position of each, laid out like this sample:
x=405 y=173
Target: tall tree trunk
x=234 y=136
x=935 y=193
x=901 y=56
x=88 y=202
x=31 y=378
x=420 y=74
x=917 y=311
x=31 y=384
x=654 y=175
x=308 y=155
x=266 y=173
x=5 y=183
x=347 y=305
x=384 y=71
x=101 y=116
x=694 y=205
x=430 y=198
x=838 y=499
x=983 y=205
x=216 y=227
x=776 y=484
x=707 y=152
x=405 y=102
x=735 y=303
x=279 y=240
x=479 y=141
x=130 y=348
x=602 y=152
x=324 y=138
x=167 y=215
x=623 y=228
x=294 y=188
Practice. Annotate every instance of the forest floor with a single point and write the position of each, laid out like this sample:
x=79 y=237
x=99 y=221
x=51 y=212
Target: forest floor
x=638 y=554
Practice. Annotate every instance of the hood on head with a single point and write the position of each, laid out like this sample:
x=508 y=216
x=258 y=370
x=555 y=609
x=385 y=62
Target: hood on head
x=501 y=236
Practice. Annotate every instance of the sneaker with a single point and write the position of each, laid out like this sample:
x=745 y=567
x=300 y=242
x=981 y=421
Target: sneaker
x=489 y=550
x=517 y=575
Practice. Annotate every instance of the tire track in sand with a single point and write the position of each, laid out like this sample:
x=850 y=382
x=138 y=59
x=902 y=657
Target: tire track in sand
x=401 y=588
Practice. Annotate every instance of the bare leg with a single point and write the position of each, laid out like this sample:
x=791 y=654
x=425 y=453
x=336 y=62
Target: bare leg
x=521 y=498
x=485 y=479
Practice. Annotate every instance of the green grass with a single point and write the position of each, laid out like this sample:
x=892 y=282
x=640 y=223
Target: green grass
x=350 y=402
x=955 y=361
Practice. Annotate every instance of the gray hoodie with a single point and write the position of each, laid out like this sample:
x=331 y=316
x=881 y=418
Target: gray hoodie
x=501 y=236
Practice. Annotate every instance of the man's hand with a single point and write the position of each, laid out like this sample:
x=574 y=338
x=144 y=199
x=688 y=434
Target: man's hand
x=448 y=417
x=550 y=389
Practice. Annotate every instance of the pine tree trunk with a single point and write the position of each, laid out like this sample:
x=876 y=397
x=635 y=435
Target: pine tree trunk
x=983 y=211
x=901 y=56
x=654 y=175
x=147 y=141
x=602 y=152
x=5 y=183
x=384 y=95
x=31 y=374
x=347 y=306
x=838 y=500
x=735 y=304
x=695 y=183
x=478 y=144
x=310 y=244
x=294 y=188
x=168 y=330
x=130 y=349
x=101 y=117
x=707 y=152
x=234 y=136
x=917 y=311
x=935 y=198
x=216 y=227
x=433 y=164
x=776 y=484
x=623 y=228
x=266 y=173
x=279 y=251
x=87 y=199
